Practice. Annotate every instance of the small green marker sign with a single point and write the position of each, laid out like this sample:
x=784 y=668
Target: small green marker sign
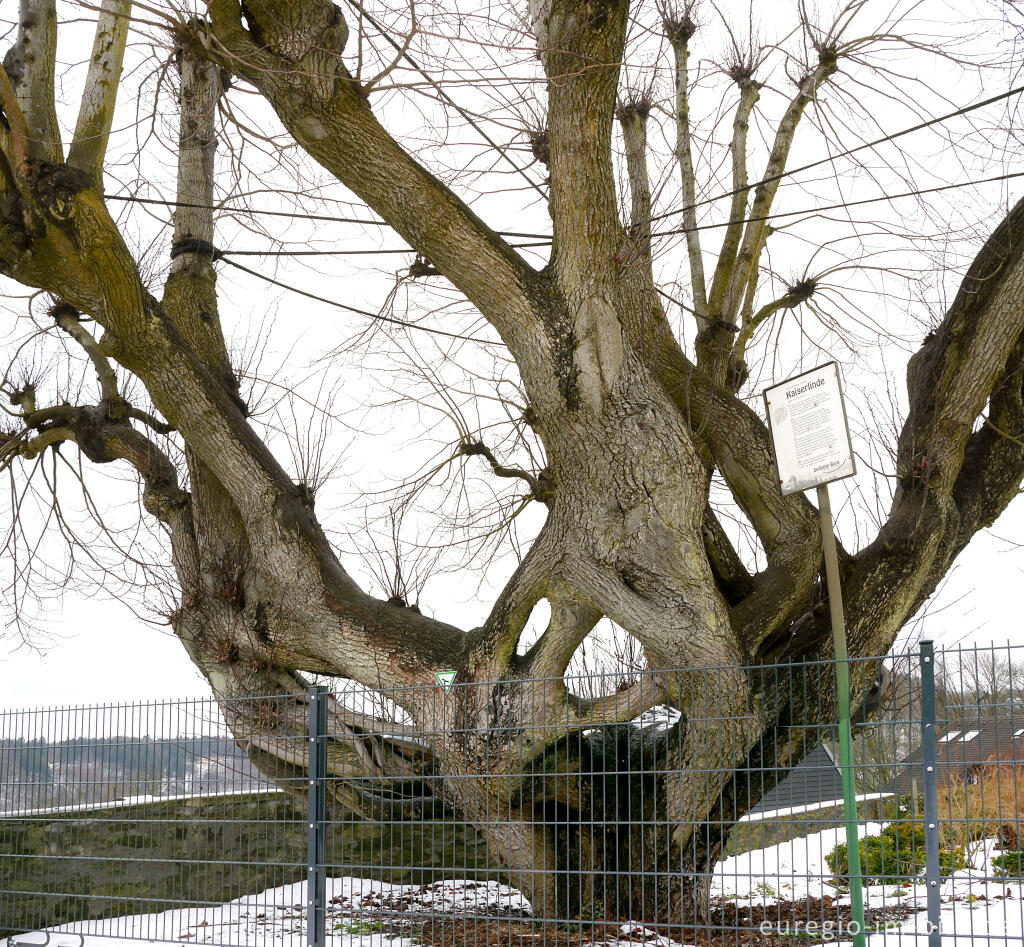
x=446 y=679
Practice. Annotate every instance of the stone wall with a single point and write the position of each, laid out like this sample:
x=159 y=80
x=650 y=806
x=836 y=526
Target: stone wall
x=750 y=836
x=158 y=856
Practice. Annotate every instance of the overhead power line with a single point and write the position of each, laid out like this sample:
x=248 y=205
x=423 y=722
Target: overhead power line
x=260 y=212
x=802 y=212
x=386 y=251
x=325 y=218
x=843 y=204
x=405 y=325
x=545 y=241
x=378 y=317
x=964 y=110
x=223 y=254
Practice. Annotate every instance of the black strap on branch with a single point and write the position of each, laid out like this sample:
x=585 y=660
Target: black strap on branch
x=192 y=245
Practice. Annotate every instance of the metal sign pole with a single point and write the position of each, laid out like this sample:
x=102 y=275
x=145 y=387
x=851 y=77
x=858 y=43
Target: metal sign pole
x=835 y=598
x=811 y=443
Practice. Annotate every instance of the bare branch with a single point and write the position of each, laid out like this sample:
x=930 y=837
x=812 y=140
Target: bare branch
x=680 y=29
x=29 y=66
x=68 y=319
x=622 y=706
x=400 y=53
x=96 y=112
x=582 y=68
x=470 y=448
x=633 y=119
x=956 y=370
x=750 y=91
x=797 y=294
x=571 y=621
x=745 y=269
x=337 y=128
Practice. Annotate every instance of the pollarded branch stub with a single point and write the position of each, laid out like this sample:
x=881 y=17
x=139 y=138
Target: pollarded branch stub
x=24 y=397
x=309 y=35
x=741 y=71
x=635 y=105
x=540 y=145
x=679 y=21
x=802 y=290
x=54 y=188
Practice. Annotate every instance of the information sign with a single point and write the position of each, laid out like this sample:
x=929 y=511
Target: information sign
x=810 y=434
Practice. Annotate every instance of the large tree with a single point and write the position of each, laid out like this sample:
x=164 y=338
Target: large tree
x=637 y=413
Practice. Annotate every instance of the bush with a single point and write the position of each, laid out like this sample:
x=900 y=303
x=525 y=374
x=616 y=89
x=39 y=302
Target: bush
x=897 y=854
x=1009 y=865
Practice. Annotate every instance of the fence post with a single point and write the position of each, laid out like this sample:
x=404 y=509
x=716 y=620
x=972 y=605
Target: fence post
x=316 y=898
x=929 y=757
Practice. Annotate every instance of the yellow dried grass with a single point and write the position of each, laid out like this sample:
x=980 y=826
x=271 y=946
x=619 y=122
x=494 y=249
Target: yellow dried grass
x=991 y=807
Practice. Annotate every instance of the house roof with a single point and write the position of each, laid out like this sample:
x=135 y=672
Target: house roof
x=962 y=747
x=816 y=778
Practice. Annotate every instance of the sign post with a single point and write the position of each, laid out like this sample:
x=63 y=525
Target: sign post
x=811 y=442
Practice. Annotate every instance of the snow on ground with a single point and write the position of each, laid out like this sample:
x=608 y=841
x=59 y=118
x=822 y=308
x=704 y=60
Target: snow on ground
x=360 y=898
x=278 y=917
x=360 y=913
x=791 y=870
x=660 y=717
x=977 y=907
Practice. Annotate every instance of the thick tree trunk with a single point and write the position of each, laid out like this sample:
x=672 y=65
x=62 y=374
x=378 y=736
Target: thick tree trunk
x=578 y=806
x=599 y=842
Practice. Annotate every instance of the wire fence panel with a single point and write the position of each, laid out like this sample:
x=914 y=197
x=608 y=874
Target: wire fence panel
x=696 y=806
x=120 y=813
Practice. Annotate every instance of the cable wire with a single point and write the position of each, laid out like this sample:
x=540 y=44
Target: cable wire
x=802 y=212
x=362 y=312
x=530 y=236
x=386 y=251
x=259 y=212
x=842 y=204
x=964 y=110
x=223 y=254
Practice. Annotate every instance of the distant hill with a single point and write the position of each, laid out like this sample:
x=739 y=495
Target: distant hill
x=38 y=774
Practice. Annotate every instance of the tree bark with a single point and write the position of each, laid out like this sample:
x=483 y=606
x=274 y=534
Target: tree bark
x=568 y=793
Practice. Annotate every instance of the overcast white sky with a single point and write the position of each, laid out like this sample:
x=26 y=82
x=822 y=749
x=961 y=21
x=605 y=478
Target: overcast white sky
x=101 y=651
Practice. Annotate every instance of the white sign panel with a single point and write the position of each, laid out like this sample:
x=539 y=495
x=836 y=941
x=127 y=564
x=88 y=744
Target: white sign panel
x=446 y=679
x=810 y=436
